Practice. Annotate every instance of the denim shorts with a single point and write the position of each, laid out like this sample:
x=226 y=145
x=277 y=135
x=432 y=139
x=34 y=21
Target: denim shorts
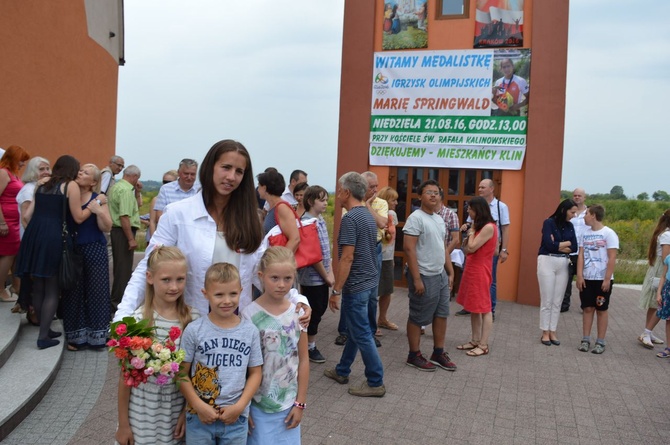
x=198 y=433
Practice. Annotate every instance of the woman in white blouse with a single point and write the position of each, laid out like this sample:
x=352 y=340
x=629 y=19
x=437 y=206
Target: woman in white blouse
x=219 y=224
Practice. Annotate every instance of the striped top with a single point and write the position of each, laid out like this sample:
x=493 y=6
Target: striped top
x=359 y=229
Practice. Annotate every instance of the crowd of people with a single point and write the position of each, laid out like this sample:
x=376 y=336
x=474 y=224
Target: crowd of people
x=250 y=316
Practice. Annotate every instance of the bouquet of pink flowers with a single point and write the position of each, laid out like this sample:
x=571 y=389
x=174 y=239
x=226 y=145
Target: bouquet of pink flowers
x=141 y=355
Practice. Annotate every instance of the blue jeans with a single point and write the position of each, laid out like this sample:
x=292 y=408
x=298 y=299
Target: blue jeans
x=372 y=315
x=355 y=309
x=218 y=433
x=494 y=286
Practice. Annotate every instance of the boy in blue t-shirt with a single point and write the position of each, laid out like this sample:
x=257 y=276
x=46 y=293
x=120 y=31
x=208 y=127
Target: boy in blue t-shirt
x=223 y=364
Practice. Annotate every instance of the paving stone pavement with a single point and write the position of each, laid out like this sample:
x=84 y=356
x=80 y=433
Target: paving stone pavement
x=521 y=393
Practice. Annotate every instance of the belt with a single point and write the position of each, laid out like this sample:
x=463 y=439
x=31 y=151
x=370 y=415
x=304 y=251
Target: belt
x=560 y=255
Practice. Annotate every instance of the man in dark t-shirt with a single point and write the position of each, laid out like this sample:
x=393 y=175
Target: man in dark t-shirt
x=356 y=284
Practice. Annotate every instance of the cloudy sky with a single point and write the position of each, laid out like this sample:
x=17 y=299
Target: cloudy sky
x=267 y=73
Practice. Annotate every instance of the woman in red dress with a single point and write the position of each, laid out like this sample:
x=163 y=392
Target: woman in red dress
x=10 y=185
x=473 y=294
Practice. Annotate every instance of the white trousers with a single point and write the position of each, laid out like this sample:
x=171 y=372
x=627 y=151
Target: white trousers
x=552 y=275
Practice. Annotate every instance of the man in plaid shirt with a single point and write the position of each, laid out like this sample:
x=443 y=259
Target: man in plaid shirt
x=453 y=238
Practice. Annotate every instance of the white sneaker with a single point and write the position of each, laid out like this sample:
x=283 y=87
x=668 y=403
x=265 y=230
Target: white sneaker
x=655 y=340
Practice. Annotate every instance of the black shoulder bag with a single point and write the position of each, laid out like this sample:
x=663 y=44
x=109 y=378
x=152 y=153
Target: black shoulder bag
x=72 y=263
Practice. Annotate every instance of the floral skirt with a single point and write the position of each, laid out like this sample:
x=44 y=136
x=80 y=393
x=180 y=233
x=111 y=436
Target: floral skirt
x=663 y=311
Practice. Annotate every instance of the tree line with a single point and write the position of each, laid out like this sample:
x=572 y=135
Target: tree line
x=617 y=193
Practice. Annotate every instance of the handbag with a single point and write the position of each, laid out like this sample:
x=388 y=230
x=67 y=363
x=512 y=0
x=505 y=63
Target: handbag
x=309 y=249
x=572 y=265
x=655 y=282
x=72 y=262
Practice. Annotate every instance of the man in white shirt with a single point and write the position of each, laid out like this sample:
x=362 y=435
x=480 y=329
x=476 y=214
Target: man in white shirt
x=297 y=176
x=182 y=188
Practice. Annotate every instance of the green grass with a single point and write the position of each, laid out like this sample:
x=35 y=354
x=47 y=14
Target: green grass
x=630 y=272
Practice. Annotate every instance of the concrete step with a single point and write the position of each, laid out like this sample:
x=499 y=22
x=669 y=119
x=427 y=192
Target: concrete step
x=27 y=374
x=9 y=331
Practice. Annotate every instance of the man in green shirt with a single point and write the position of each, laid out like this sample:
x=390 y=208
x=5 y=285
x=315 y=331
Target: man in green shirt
x=125 y=222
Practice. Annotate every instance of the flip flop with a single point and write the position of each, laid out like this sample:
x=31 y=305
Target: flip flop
x=664 y=353
x=479 y=350
x=468 y=346
x=388 y=325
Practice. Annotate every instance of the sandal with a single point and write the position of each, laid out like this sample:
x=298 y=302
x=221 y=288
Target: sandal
x=479 y=350
x=664 y=353
x=646 y=342
x=31 y=316
x=388 y=325
x=379 y=333
x=468 y=346
x=10 y=297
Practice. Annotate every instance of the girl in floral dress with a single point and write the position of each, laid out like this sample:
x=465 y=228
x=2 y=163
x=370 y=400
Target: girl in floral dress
x=277 y=407
x=663 y=300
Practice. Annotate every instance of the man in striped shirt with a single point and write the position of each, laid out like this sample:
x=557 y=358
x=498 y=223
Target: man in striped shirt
x=356 y=283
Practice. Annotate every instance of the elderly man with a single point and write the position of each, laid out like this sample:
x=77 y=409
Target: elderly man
x=380 y=210
x=578 y=196
x=356 y=283
x=183 y=187
x=500 y=214
x=116 y=164
x=125 y=222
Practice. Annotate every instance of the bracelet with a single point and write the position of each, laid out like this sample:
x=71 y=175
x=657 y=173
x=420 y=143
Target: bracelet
x=299 y=405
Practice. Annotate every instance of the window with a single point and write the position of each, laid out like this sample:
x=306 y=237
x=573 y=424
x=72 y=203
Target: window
x=453 y=9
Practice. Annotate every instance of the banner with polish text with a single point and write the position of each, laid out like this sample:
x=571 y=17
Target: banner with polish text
x=450 y=109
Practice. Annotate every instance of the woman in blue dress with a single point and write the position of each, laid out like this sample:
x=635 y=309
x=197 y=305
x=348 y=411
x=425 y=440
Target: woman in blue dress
x=87 y=307
x=40 y=252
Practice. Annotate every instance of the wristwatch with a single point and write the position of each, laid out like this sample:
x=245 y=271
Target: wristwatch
x=335 y=292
